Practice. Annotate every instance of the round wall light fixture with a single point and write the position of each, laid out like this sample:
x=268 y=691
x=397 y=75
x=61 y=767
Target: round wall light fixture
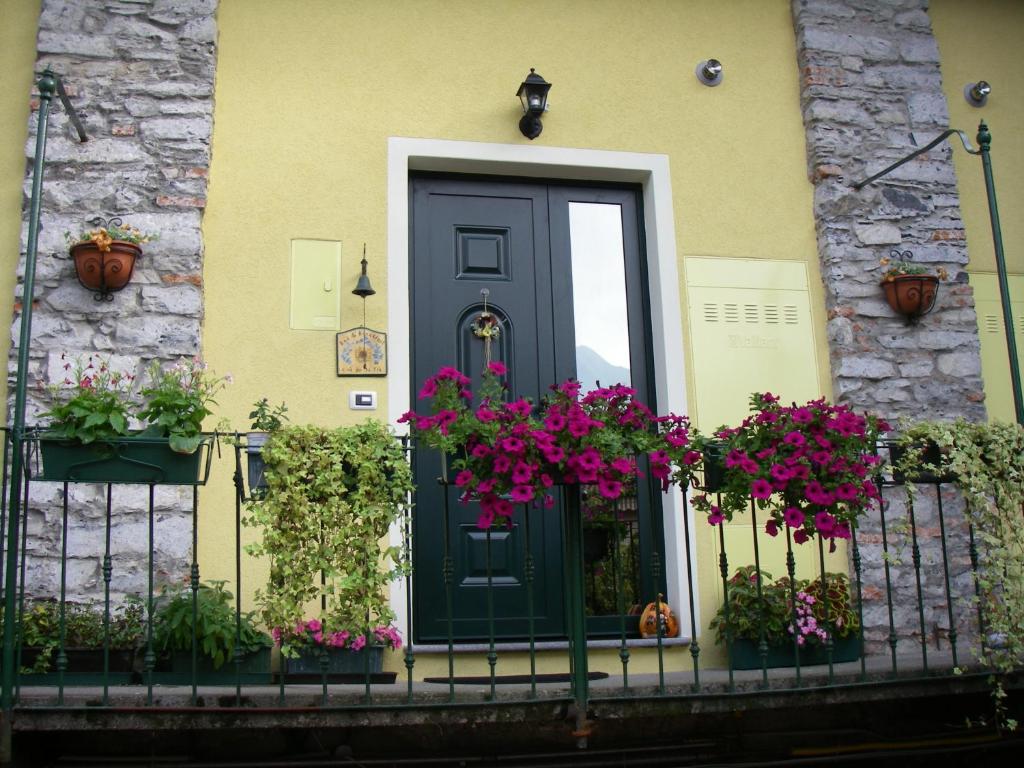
x=977 y=93
x=710 y=72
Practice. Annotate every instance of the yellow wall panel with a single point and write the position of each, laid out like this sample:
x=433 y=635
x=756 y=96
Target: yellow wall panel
x=750 y=329
x=18 y=20
x=995 y=361
x=315 y=285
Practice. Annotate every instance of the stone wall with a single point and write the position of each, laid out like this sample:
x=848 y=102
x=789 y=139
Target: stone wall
x=140 y=73
x=871 y=93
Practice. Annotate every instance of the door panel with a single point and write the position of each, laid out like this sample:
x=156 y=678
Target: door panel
x=520 y=243
x=469 y=236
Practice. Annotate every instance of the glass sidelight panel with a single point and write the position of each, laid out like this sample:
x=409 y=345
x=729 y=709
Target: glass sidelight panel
x=611 y=530
x=599 y=294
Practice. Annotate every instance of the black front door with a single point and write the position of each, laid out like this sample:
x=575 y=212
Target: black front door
x=512 y=247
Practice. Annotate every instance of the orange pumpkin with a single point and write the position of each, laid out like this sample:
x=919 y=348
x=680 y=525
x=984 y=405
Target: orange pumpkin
x=669 y=622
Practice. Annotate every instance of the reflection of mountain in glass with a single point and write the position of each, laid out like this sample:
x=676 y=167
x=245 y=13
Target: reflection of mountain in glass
x=592 y=368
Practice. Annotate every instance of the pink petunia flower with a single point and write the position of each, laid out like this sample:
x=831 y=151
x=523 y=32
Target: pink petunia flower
x=761 y=489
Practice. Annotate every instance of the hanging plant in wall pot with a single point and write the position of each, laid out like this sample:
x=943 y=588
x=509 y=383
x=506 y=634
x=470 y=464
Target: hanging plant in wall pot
x=909 y=288
x=104 y=257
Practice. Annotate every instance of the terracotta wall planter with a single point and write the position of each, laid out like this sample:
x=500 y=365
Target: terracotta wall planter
x=105 y=272
x=911 y=295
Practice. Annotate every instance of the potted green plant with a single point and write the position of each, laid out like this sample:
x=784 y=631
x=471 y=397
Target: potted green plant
x=265 y=420
x=332 y=496
x=88 y=439
x=104 y=257
x=909 y=288
x=218 y=632
x=86 y=642
x=795 y=620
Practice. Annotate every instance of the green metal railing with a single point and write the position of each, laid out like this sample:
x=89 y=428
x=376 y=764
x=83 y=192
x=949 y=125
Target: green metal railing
x=894 y=651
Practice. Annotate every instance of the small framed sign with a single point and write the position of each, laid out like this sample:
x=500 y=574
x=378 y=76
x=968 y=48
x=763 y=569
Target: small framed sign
x=362 y=351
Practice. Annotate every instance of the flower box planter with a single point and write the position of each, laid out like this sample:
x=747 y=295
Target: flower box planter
x=176 y=669
x=929 y=454
x=132 y=459
x=343 y=665
x=85 y=667
x=744 y=654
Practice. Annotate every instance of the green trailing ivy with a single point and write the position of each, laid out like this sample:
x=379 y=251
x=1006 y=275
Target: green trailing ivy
x=987 y=463
x=332 y=495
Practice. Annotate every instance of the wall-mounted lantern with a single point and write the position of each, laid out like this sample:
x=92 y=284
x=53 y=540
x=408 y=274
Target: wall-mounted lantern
x=533 y=93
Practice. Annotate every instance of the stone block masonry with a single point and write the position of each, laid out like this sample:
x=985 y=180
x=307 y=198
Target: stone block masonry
x=141 y=74
x=871 y=93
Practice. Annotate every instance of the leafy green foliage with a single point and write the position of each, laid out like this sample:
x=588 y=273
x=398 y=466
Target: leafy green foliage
x=177 y=401
x=216 y=628
x=332 y=496
x=267 y=418
x=83 y=627
x=987 y=462
x=92 y=403
x=771 y=607
x=103 y=236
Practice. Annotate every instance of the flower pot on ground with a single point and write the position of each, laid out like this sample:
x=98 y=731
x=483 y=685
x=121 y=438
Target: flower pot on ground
x=339 y=664
x=92 y=653
x=790 y=617
x=218 y=631
x=746 y=654
x=332 y=496
x=104 y=258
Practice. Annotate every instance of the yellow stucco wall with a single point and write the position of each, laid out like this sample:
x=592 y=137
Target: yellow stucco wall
x=308 y=93
x=17 y=58
x=981 y=41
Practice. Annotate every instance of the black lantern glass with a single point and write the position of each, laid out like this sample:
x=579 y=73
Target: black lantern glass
x=533 y=93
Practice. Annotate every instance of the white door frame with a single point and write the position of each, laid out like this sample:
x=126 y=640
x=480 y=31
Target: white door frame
x=648 y=170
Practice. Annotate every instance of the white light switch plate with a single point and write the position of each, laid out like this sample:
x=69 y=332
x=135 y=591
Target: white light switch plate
x=362 y=401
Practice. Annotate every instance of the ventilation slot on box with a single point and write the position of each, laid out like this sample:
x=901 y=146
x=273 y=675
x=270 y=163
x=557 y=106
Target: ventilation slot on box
x=790 y=314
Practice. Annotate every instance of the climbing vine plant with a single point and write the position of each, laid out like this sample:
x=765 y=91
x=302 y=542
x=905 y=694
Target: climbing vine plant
x=987 y=463
x=332 y=495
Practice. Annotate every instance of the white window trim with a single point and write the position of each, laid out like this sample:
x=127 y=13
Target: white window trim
x=649 y=170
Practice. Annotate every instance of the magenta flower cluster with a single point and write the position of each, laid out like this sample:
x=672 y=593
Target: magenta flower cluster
x=810 y=466
x=510 y=453
x=314 y=632
x=806 y=626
